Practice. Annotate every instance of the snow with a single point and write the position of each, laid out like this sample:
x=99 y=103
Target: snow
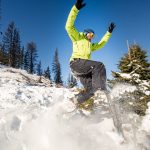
x=120 y=89
x=34 y=116
x=146 y=120
x=142 y=84
x=125 y=75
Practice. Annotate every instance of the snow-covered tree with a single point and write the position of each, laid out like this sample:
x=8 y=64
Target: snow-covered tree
x=135 y=69
x=135 y=63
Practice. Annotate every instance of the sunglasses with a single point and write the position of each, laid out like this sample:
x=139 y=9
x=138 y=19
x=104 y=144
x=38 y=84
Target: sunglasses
x=91 y=34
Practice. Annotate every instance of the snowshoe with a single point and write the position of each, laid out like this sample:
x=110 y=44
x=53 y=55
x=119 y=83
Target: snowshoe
x=85 y=108
x=87 y=105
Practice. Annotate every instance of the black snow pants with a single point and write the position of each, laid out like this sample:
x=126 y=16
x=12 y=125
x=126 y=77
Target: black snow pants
x=92 y=75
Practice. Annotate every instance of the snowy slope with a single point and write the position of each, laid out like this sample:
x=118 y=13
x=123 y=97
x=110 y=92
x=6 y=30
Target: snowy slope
x=33 y=116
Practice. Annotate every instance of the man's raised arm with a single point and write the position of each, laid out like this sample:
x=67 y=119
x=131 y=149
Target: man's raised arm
x=70 y=28
x=104 y=40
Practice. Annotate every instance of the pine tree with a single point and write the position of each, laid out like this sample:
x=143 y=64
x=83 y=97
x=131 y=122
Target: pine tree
x=3 y=56
x=26 y=61
x=18 y=50
x=135 y=62
x=31 y=57
x=8 y=42
x=56 y=68
x=21 y=58
x=11 y=42
x=39 y=69
x=47 y=73
x=135 y=69
x=72 y=82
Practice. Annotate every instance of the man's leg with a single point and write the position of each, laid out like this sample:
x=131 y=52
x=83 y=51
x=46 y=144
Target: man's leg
x=99 y=77
x=97 y=71
x=86 y=81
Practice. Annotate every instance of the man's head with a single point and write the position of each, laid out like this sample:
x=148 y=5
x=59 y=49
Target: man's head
x=89 y=34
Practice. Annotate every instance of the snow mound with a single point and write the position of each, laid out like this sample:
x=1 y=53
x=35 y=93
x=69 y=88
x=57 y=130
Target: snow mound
x=32 y=118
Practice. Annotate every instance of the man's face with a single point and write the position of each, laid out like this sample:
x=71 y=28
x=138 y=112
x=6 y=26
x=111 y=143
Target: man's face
x=90 y=36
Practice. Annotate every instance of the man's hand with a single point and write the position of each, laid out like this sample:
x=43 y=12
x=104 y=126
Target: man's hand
x=79 y=4
x=111 y=27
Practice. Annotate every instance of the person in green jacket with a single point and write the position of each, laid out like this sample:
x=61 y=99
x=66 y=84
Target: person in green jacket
x=92 y=74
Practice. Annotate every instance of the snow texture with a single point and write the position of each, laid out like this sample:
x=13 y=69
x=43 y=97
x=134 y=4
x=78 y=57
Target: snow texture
x=142 y=84
x=34 y=116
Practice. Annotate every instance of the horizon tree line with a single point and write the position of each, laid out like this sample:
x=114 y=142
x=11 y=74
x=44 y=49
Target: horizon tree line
x=13 y=54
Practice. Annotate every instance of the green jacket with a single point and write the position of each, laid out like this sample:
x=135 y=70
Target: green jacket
x=82 y=47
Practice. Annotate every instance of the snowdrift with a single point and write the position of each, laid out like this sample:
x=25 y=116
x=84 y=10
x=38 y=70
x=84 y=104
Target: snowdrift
x=34 y=116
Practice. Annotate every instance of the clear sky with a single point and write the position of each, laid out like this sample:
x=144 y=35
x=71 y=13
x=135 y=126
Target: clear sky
x=43 y=21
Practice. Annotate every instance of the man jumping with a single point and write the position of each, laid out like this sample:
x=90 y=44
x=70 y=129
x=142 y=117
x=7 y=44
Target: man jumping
x=92 y=74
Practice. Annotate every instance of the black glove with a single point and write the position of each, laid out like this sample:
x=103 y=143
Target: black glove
x=79 y=4
x=111 y=27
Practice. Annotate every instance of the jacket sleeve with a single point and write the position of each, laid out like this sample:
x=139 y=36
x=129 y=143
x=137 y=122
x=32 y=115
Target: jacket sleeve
x=103 y=41
x=71 y=30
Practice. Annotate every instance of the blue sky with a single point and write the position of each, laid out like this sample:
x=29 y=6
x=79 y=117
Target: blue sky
x=43 y=21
